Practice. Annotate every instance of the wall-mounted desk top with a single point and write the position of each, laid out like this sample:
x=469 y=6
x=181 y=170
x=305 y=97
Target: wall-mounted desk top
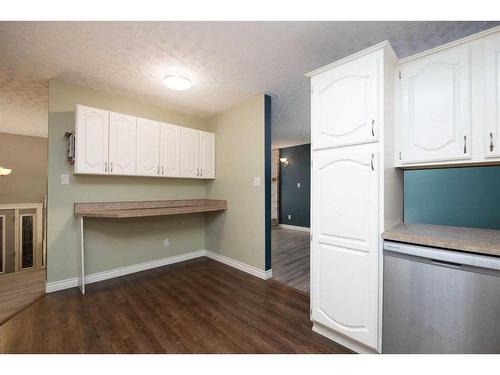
x=121 y=210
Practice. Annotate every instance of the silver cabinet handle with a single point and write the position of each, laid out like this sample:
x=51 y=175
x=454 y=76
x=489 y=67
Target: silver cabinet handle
x=373 y=131
x=158 y=170
x=111 y=164
x=371 y=162
x=465 y=144
x=105 y=166
x=491 y=142
x=201 y=172
x=162 y=169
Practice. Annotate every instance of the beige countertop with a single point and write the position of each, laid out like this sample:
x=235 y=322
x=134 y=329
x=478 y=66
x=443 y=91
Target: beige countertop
x=119 y=210
x=474 y=240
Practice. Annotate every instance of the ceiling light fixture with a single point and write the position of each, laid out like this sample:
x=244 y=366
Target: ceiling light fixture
x=5 y=171
x=178 y=83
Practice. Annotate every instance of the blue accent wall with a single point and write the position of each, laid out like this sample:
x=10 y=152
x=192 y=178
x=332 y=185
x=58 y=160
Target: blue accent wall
x=267 y=180
x=467 y=197
x=293 y=200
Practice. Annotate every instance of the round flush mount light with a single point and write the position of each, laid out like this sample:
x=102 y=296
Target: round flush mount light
x=178 y=83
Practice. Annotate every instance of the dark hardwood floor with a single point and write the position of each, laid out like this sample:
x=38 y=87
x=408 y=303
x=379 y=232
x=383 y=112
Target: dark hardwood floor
x=290 y=258
x=198 y=306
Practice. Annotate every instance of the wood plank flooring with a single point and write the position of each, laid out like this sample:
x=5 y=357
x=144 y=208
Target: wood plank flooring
x=198 y=306
x=20 y=289
x=290 y=258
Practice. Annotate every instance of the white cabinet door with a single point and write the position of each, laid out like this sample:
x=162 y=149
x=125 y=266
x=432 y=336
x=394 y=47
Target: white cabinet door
x=207 y=154
x=190 y=139
x=170 y=151
x=122 y=144
x=344 y=256
x=91 y=131
x=435 y=108
x=491 y=80
x=148 y=147
x=344 y=104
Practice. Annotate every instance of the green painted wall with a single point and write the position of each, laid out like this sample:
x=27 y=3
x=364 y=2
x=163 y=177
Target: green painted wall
x=239 y=233
x=468 y=197
x=111 y=243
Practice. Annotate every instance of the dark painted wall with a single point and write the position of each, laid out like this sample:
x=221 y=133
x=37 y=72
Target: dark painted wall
x=468 y=197
x=295 y=201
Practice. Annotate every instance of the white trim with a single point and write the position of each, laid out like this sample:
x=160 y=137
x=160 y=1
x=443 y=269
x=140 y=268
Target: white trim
x=367 y=51
x=452 y=44
x=117 y=272
x=294 y=227
x=2 y=245
x=122 y=271
x=239 y=265
x=343 y=340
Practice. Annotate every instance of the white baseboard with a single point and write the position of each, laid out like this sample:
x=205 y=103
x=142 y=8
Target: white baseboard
x=343 y=340
x=294 y=227
x=240 y=265
x=122 y=271
x=117 y=272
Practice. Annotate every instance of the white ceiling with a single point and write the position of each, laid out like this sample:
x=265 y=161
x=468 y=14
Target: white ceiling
x=227 y=62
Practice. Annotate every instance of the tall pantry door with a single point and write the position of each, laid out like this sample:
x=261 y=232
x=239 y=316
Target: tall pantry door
x=344 y=256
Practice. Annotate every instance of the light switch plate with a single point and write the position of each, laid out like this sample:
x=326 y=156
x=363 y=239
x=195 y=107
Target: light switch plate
x=298 y=185
x=256 y=181
x=64 y=179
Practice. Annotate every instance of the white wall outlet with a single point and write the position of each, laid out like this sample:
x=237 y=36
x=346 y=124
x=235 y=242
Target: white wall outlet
x=64 y=179
x=256 y=181
x=166 y=242
x=298 y=185
x=289 y=217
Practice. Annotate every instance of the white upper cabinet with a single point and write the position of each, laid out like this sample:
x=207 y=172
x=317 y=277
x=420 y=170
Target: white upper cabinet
x=114 y=143
x=170 y=151
x=491 y=81
x=207 y=154
x=122 y=144
x=345 y=241
x=434 y=122
x=91 y=131
x=344 y=104
x=148 y=147
x=190 y=151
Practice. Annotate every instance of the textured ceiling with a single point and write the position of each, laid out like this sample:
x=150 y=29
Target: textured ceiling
x=227 y=62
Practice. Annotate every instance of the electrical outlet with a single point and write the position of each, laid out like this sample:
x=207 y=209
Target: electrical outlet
x=166 y=242
x=256 y=181
x=289 y=217
x=64 y=179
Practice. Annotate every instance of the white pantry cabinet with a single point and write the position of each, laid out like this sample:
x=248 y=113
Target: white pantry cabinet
x=122 y=144
x=170 y=150
x=190 y=152
x=118 y=144
x=491 y=81
x=344 y=104
x=355 y=194
x=435 y=112
x=207 y=154
x=148 y=147
x=345 y=241
x=91 y=146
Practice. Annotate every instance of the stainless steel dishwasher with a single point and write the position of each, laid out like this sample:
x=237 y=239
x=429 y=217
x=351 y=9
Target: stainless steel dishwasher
x=440 y=301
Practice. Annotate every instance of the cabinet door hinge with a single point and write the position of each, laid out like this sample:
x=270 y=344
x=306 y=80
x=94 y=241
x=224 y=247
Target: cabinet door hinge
x=311 y=237
x=400 y=74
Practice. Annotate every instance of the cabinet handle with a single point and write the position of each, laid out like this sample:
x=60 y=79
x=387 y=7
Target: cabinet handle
x=111 y=164
x=491 y=142
x=373 y=131
x=197 y=171
x=465 y=144
x=105 y=166
x=162 y=169
x=201 y=172
x=371 y=162
x=158 y=170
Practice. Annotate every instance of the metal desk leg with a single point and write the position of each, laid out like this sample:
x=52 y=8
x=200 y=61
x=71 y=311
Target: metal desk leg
x=81 y=281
